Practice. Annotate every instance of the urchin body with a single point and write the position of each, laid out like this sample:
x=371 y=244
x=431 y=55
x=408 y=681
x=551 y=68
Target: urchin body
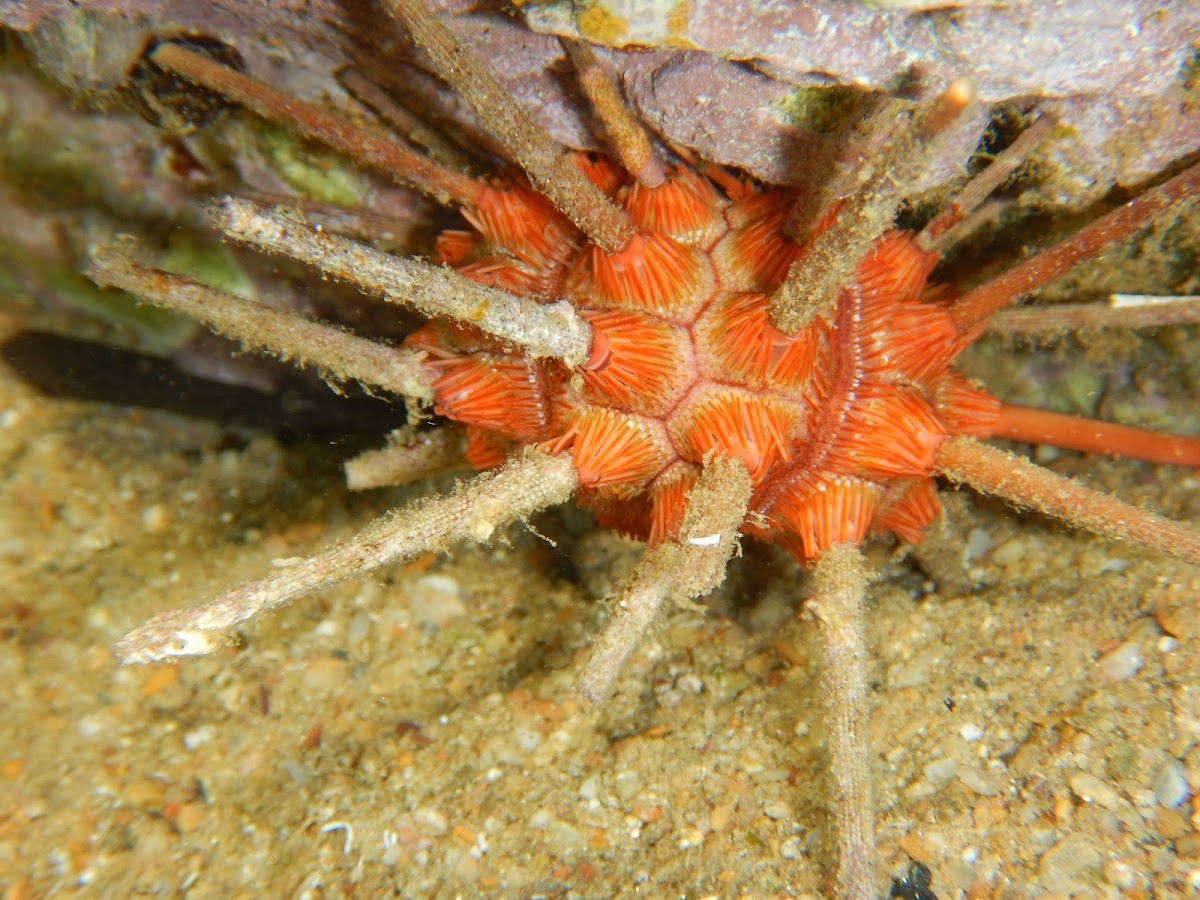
x=837 y=423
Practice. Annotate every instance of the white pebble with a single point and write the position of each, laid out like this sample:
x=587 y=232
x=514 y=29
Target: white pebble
x=329 y=628
x=1171 y=786
x=979 y=542
x=628 y=784
x=436 y=600
x=564 y=837
x=1064 y=867
x=1044 y=454
x=984 y=783
x=1122 y=663
x=1142 y=797
x=776 y=810
x=358 y=629
x=526 y=739
x=155 y=518
x=916 y=671
x=1121 y=874
x=791 y=848
x=1090 y=789
x=970 y=732
x=91 y=726
x=940 y=770
x=431 y=821
x=198 y=737
x=1011 y=552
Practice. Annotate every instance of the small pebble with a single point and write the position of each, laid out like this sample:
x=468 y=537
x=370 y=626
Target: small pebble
x=728 y=685
x=979 y=542
x=436 y=600
x=970 y=732
x=628 y=784
x=1121 y=874
x=1011 y=552
x=916 y=671
x=1090 y=789
x=325 y=675
x=940 y=770
x=1122 y=663
x=198 y=737
x=358 y=629
x=777 y=810
x=1044 y=454
x=984 y=783
x=156 y=519
x=431 y=821
x=146 y=794
x=1177 y=613
x=720 y=816
x=1171 y=786
x=1170 y=824
x=92 y=726
x=328 y=628
x=161 y=678
x=190 y=817
x=564 y=837
x=526 y=739
x=791 y=848
x=1188 y=846
x=1065 y=866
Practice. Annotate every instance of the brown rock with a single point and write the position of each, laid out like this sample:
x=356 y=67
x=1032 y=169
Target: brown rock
x=1170 y=824
x=1188 y=846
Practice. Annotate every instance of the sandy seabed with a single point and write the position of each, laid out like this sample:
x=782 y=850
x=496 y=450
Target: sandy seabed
x=1036 y=705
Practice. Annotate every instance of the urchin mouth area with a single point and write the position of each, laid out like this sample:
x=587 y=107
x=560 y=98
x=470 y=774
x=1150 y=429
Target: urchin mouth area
x=716 y=358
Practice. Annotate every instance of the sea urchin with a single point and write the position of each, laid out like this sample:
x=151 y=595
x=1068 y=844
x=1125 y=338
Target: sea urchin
x=694 y=357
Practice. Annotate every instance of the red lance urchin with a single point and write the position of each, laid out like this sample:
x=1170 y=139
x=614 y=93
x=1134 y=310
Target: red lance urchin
x=837 y=423
x=708 y=351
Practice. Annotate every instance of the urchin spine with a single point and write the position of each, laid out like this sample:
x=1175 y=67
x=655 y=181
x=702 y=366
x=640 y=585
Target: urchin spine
x=1001 y=474
x=374 y=151
x=337 y=354
x=412 y=453
x=541 y=330
x=527 y=484
x=547 y=163
x=680 y=570
x=840 y=584
x=817 y=278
